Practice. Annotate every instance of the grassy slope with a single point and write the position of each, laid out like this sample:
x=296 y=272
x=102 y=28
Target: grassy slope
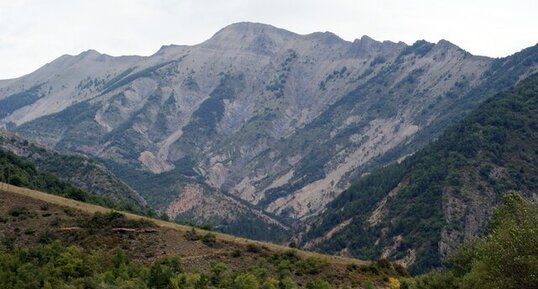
x=29 y=218
x=90 y=208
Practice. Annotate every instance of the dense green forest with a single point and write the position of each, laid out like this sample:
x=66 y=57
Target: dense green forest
x=19 y=172
x=56 y=266
x=448 y=188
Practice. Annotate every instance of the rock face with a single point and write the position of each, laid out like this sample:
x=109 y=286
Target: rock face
x=275 y=120
x=420 y=210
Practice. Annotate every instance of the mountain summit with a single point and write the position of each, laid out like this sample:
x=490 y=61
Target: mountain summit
x=257 y=124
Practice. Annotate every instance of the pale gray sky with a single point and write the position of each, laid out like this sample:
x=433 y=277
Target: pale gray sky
x=34 y=32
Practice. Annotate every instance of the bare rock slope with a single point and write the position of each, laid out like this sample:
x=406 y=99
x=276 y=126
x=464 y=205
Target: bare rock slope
x=272 y=120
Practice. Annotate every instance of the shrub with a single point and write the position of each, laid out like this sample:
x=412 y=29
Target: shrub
x=311 y=265
x=318 y=284
x=55 y=222
x=192 y=235
x=246 y=281
x=209 y=239
x=114 y=219
x=164 y=217
x=253 y=248
x=18 y=211
x=206 y=227
x=47 y=237
x=236 y=253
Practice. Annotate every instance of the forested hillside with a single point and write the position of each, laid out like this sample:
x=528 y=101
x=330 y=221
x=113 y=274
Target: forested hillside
x=417 y=211
x=16 y=171
x=78 y=170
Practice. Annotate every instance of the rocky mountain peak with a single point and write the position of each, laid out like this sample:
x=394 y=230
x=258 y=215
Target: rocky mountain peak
x=368 y=46
x=90 y=53
x=248 y=35
x=326 y=37
x=447 y=45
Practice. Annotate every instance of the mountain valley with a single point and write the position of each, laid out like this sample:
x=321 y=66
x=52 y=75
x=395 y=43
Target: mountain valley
x=367 y=149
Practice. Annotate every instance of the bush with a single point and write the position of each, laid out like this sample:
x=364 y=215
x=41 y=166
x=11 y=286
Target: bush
x=209 y=239
x=436 y=279
x=18 y=211
x=114 y=219
x=206 y=227
x=47 y=237
x=318 y=284
x=311 y=265
x=246 y=281
x=236 y=253
x=164 y=217
x=253 y=248
x=192 y=235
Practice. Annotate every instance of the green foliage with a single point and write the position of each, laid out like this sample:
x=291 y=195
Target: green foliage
x=15 y=171
x=114 y=219
x=192 y=235
x=311 y=265
x=209 y=239
x=318 y=284
x=54 y=265
x=436 y=280
x=253 y=248
x=500 y=136
x=236 y=253
x=506 y=258
x=126 y=76
x=246 y=281
x=22 y=173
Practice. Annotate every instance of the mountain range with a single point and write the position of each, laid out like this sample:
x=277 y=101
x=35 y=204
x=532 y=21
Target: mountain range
x=257 y=129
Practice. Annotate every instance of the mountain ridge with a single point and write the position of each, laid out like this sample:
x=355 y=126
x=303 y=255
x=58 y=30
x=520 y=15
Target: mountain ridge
x=280 y=120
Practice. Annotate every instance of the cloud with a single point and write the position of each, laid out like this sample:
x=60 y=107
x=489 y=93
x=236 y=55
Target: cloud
x=34 y=32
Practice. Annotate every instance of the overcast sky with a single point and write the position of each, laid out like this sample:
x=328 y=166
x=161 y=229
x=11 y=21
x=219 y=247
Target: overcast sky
x=34 y=32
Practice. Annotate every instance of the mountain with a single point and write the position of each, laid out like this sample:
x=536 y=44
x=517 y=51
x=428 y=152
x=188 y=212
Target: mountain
x=53 y=242
x=77 y=170
x=257 y=123
x=419 y=210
